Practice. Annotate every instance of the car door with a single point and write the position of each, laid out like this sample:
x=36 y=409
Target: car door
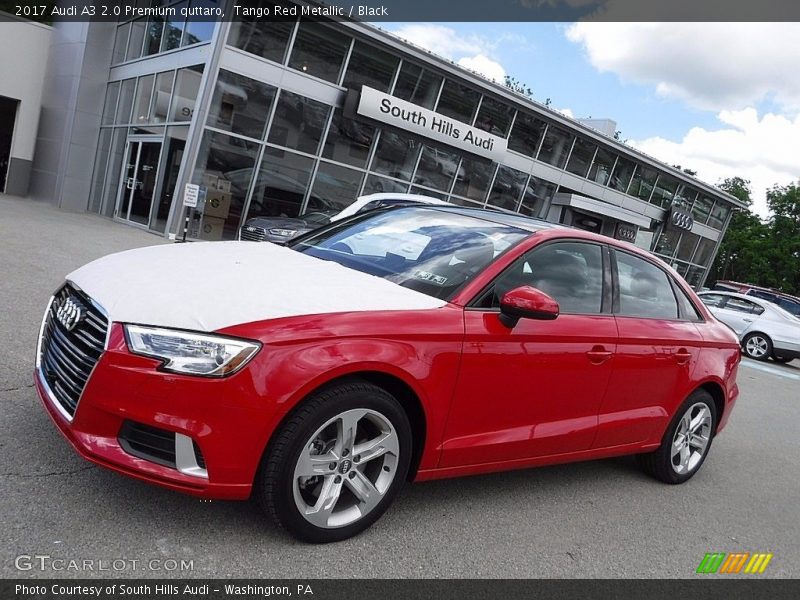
x=658 y=348
x=535 y=389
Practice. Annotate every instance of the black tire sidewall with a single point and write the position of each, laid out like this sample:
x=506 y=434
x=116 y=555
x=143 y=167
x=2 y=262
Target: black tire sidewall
x=664 y=453
x=337 y=401
x=767 y=354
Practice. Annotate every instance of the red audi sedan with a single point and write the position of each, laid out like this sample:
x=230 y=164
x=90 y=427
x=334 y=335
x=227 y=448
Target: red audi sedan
x=403 y=344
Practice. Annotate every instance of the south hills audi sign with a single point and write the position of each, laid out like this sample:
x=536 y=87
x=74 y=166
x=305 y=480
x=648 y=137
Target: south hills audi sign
x=416 y=119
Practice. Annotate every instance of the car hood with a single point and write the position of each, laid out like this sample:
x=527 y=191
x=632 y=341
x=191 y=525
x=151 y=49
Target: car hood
x=207 y=286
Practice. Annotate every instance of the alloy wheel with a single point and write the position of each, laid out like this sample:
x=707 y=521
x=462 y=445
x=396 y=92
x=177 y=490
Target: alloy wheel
x=691 y=439
x=345 y=468
x=756 y=347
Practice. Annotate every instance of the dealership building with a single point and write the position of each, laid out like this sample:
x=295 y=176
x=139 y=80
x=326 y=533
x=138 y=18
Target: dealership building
x=286 y=116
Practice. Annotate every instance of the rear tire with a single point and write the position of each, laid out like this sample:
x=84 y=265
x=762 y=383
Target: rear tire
x=334 y=467
x=686 y=442
x=782 y=359
x=757 y=346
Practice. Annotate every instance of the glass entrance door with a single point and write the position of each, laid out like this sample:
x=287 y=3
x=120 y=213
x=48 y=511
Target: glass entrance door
x=139 y=181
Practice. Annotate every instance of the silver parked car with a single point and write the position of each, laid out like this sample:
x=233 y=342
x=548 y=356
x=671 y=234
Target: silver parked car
x=765 y=330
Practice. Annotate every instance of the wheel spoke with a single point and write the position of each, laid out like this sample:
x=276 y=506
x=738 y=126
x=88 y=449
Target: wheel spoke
x=364 y=490
x=699 y=420
x=685 y=455
x=678 y=443
x=347 y=428
x=328 y=497
x=699 y=441
x=385 y=443
x=311 y=465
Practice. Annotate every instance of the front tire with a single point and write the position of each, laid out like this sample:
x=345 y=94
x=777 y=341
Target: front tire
x=686 y=443
x=757 y=346
x=337 y=463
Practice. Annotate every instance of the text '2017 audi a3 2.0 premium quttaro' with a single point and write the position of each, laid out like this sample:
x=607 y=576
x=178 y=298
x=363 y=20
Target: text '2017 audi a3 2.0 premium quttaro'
x=404 y=344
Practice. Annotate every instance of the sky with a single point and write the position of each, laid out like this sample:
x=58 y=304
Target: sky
x=722 y=99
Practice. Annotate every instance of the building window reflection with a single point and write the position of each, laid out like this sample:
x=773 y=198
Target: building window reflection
x=556 y=146
x=371 y=67
x=265 y=38
x=240 y=105
x=298 y=122
x=417 y=85
x=282 y=182
x=319 y=50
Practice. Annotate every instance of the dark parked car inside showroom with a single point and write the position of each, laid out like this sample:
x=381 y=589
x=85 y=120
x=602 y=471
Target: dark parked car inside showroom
x=280 y=230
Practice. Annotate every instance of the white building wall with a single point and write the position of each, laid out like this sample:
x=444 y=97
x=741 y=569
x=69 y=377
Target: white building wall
x=24 y=48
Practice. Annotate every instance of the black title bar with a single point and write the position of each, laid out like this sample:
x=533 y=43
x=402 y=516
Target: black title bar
x=411 y=10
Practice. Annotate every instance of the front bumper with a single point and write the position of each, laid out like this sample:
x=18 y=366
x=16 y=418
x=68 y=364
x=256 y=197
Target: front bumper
x=228 y=419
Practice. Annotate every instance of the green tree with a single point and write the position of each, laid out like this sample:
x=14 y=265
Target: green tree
x=784 y=224
x=517 y=86
x=741 y=255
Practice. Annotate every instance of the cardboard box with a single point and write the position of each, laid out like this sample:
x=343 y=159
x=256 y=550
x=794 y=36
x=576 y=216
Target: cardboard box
x=210 y=181
x=218 y=204
x=211 y=228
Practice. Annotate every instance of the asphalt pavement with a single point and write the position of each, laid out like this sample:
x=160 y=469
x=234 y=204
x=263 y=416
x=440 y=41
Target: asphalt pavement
x=595 y=519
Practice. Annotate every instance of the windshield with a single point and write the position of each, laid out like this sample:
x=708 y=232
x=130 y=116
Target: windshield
x=431 y=251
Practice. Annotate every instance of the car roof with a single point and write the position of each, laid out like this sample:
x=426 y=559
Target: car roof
x=362 y=201
x=766 y=304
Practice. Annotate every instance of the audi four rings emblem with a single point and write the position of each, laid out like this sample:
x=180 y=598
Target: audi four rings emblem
x=69 y=313
x=682 y=219
x=627 y=234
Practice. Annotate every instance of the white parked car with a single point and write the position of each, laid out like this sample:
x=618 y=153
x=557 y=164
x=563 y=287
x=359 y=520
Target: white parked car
x=765 y=330
x=280 y=230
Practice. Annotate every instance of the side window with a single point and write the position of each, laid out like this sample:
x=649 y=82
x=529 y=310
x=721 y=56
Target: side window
x=789 y=306
x=644 y=289
x=687 y=307
x=744 y=306
x=715 y=300
x=763 y=295
x=570 y=272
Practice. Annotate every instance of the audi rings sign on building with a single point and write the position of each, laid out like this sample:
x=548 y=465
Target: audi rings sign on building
x=70 y=313
x=681 y=219
x=625 y=232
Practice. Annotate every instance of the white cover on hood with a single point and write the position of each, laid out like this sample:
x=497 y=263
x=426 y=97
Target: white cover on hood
x=208 y=286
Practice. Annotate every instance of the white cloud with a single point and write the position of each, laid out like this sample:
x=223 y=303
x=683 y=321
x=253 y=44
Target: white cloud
x=763 y=150
x=713 y=66
x=567 y=111
x=471 y=51
x=485 y=66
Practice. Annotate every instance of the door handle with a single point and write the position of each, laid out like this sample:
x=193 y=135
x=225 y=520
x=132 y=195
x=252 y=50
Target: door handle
x=747 y=320
x=598 y=355
x=682 y=356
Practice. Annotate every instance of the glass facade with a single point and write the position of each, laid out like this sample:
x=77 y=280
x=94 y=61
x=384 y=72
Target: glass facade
x=145 y=37
x=269 y=146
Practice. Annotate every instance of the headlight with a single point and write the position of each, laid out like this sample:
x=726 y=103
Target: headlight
x=191 y=353
x=283 y=232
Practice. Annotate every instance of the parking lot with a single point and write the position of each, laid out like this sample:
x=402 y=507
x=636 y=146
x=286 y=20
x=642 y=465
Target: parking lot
x=596 y=519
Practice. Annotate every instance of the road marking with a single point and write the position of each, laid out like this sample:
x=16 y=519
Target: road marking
x=768 y=369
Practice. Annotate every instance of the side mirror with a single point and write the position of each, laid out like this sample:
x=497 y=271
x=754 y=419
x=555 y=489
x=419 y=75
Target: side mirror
x=526 y=302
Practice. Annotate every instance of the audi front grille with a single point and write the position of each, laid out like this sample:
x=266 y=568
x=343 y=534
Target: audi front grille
x=71 y=342
x=252 y=234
